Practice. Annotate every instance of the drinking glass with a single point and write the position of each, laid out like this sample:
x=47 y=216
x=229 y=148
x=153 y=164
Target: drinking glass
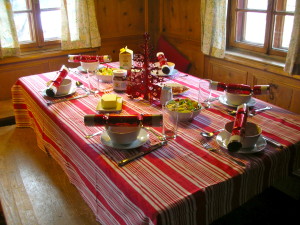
x=170 y=124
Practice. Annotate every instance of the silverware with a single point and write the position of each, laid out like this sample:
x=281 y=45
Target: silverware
x=93 y=135
x=160 y=137
x=273 y=142
x=208 y=147
x=140 y=154
x=254 y=112
x=211 y=99
x=66 y=99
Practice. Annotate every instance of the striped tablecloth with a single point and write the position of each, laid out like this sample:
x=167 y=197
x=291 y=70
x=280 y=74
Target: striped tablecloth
x=181 y=183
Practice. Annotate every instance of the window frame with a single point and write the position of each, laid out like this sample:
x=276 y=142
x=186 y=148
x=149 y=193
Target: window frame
x=271 y=13
x=33 y=12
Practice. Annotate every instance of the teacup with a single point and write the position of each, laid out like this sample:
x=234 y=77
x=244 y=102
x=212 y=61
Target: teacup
x=123 y=135
x=252 y=133
x=64 y=87
x=237 y=99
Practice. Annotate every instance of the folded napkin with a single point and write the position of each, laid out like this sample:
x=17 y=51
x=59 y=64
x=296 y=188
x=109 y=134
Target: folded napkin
x=80 y=58
x=153 y=120
x=54 y=85
x=238 y=129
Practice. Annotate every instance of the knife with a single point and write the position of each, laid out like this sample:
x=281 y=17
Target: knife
x=66 y=99
x=140 y=154
x=275 y=143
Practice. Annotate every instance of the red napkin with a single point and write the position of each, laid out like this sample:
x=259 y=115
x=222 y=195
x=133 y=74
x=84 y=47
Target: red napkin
x=238 y=129
x=53 y=87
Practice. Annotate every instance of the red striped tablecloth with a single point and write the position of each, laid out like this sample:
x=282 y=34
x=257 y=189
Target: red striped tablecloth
x=181 y=183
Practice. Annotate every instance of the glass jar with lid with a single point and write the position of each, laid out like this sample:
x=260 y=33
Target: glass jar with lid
x=120 y=80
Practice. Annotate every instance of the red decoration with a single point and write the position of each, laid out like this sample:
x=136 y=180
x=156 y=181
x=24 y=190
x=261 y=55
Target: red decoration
x=142 y=81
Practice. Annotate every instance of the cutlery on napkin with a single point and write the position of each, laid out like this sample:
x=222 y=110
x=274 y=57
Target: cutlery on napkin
x=66 y=99
x=140 y=154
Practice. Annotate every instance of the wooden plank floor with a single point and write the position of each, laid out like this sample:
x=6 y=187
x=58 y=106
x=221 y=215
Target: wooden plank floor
x=33 y=187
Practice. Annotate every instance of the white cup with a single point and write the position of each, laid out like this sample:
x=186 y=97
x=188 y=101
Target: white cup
x=123 y=135
x=237 y=99
x=64 y=87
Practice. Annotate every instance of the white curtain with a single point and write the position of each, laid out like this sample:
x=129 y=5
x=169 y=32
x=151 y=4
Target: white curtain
x=79 y=25
x=292 y=64
x=9 y=45
x=213 y=27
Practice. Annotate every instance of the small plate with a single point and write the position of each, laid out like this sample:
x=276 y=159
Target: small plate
x=71 y=92
x=177 y=89
x=223 y=137
x=142 y=138
x=223 y=100
x=84 y=71
x=161 y=74
x=118 y=108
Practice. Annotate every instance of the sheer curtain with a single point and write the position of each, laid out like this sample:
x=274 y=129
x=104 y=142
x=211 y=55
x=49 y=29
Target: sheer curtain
x=9 y=45
x=79 y=25
x=213 y=26
x=292 y=64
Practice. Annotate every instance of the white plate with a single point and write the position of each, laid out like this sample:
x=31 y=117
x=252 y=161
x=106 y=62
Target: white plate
x=181 y=88
x=71 y=92
x=84 y=71
x=161 y=74
x=142 y=138
x=223 y=137
x=223 y=100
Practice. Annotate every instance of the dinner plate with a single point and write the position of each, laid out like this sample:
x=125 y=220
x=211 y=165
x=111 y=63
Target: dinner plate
x=161 y=74
x=84 y=71
x=142 y=138
x=71 y=92
x=177 y=89
x=223 y=100
x=223 y=138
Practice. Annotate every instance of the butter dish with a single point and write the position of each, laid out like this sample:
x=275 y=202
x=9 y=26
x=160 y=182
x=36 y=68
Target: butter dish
x=117 y=109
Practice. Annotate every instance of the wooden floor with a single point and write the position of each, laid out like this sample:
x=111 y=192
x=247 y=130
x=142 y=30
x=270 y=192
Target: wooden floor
x=33 y=187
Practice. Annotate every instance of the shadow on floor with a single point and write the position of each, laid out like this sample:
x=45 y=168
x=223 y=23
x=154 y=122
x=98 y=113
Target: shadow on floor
x=272 y=207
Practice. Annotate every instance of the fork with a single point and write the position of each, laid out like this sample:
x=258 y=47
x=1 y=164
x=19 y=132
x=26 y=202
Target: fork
x=208 y=147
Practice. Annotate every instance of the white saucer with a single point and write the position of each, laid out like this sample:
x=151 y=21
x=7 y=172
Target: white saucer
x=223 y=137
x=223 y=100
x=71 y=92
x=161 y=74
x=142 y=138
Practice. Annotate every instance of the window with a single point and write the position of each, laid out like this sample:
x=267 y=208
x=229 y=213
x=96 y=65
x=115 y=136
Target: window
x=38 y=23
x=263 y=26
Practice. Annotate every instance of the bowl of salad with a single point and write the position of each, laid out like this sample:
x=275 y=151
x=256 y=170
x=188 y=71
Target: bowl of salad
x=187 y=109
x=105 y=74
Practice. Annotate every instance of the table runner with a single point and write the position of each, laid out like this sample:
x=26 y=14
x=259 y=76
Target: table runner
x=181 y=183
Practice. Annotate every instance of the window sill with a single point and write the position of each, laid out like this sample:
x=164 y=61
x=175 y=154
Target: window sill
x=258 y=61
x=28 y=56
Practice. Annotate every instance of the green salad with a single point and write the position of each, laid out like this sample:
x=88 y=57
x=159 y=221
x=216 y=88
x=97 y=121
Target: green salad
x=183 y=105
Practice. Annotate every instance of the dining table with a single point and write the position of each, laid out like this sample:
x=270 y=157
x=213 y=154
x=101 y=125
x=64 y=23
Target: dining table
x=181 y=182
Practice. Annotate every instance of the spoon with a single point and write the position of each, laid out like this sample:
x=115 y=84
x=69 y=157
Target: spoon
x=254 y=112
x=80 y=85
x=93 y=135
x=211 y=134
x=161 y=138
